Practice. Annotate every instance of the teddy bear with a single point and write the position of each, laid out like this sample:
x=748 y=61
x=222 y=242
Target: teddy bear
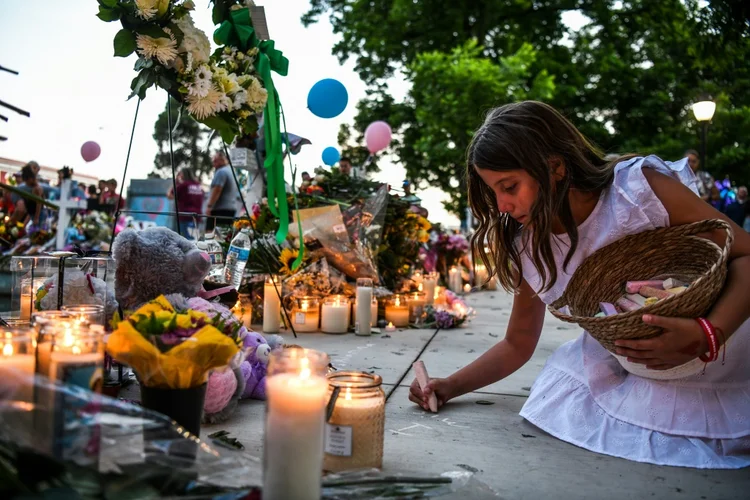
x=158 y=261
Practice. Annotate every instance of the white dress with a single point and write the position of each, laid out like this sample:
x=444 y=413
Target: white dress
x=585 y=397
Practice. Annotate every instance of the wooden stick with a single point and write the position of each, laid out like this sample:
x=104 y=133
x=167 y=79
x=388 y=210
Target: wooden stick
x=421 y=372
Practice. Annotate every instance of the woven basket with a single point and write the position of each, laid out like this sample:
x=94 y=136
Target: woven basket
x=666 y=252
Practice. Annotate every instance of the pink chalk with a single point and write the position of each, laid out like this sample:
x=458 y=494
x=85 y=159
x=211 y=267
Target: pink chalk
x=635 y=286
x=421 y=372
x=607 y=308
x=627 y=305
x=648 y=291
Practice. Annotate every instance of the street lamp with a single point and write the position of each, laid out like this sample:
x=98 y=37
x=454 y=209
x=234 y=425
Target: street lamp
x=704 y=111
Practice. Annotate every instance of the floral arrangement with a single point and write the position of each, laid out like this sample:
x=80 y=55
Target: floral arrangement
x=11 y=232
x=223 y=90
x=449 y=312
x=175 y=348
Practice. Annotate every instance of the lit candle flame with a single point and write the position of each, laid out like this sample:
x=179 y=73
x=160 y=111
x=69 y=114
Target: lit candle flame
x=419 y=287
x=304 y=372
x=7 y=350
x=76 y=350
x=390 y=324
x=467 y=288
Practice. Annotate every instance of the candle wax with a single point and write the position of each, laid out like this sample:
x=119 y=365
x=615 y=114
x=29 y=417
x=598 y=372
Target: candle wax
x=397 y=314
x=334 y=318
x=355 y=433
x=17 y=366
x=429 y=285
x=294 y=436
x=363 y=325
x=306 y=320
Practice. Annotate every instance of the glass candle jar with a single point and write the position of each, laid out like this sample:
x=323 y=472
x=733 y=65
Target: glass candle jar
x=373 y=312
x=429 y=283
x=294 y=430
x=77 y=354
x=243 y=310
x=397 y=311
x=272 y=305
x=17 y=363
x=92 y=314
x=306 y=314
x=355 y=429
x=334 y=315
x=365 y=294
x=416 y=301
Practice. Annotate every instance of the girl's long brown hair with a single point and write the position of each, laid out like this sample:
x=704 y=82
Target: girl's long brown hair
x=526 y=136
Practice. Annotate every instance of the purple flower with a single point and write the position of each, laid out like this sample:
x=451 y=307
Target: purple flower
x=443 y=320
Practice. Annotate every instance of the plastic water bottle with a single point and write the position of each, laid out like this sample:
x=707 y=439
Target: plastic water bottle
x=237 y=256
x=215 y=254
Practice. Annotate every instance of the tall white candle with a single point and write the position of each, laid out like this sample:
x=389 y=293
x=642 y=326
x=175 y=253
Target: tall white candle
x=334 y=315
x=373 y=313
x=27 y=306
x=455 y=281
x=271 y=306
x=429 y=283
x=363 y=321
x=293 y=449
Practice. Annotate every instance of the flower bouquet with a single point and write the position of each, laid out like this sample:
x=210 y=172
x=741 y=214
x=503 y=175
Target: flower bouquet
x=451 y=311
x=172 y=352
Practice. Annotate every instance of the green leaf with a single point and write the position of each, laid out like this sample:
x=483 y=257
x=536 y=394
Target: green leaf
x=124 y=43
x=165 y=82
x=108 y=15
x=140 y=83
x=143 y=63
x=108 y=3
x=153 y=31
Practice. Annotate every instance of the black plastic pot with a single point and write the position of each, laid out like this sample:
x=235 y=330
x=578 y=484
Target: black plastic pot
x=184 y=406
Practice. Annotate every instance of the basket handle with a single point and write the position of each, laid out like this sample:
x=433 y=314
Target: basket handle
x=692 y=229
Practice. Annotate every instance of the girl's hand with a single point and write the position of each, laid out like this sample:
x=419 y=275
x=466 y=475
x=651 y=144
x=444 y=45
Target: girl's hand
x=440 y=386
x=682 y=340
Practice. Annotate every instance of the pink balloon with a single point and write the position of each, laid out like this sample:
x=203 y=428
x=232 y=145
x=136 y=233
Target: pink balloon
x=90 y=151
x=377 y=136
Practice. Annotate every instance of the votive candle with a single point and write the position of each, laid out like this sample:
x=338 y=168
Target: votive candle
x=429 y=283
x=397 y=311
x=334 y=316
x=17 y=362
x=306 y=315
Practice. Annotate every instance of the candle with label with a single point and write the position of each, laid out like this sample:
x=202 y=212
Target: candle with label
x=429 y=283
x=243 y=310
x=306 y=315
x=363 y=321
x=17 y=363
x=397 y=311
x=295 y=416
x=416 y=301
x=271 y=305
x=355 y=430
x=455 y=281
x=334 y=316
x=77 y=355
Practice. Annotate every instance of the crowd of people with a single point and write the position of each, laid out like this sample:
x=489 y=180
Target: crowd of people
x=724 y=196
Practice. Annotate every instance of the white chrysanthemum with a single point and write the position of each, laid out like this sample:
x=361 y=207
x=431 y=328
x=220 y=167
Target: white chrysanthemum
x=204 y=106
x=229 y=84
x=256 y=96
x=163 y=49
x=203 y=73
x=199 y=88
x=146 y=9
x=224 y=104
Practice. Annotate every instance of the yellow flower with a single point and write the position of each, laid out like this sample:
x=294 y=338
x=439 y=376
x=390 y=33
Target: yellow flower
x=197 y=316
x=160 y=303
x=286 y=259
x=184 y=321
x=423 y=236
x=424 y=223
x=241 y=224
x=164 y=316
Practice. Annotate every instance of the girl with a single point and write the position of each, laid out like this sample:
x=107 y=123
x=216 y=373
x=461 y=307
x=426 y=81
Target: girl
x=546 y=199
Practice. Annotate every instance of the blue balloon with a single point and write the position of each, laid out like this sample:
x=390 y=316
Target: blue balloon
x=327 y=98
x=331 y=156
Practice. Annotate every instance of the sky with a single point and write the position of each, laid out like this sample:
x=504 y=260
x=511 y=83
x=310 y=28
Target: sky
x=76 y=90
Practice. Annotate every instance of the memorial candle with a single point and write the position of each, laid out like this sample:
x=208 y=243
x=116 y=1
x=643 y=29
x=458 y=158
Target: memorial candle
x=454 y=280
x=480 y=275
x=363 y=321
x=17 y=362
x=243 y=310
x=416 y=301
x=373 y=312
x=295 y=416
x=334 y=315
x=271 y=305
x=430 y=282
x=397 y=311
x=306 y=315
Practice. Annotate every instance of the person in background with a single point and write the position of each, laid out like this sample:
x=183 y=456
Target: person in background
x=92 y=203
x=26 y=209
x=345 y=166
x=703 y=180
x=737 y=209
x=189 y=199
x=222 y=201
x=111 y=197
x=714 y=198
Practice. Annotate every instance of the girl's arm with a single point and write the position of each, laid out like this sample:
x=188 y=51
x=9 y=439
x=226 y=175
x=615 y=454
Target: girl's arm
x=683 y=339
x=510 y=354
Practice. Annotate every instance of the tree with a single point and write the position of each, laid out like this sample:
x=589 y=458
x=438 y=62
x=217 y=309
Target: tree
x=626 y=78
x=191 y=143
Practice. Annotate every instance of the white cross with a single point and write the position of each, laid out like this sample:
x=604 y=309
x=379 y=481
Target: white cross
x=66 y=203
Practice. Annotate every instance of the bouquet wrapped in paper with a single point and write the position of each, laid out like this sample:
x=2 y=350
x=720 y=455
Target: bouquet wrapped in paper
x=172 y=348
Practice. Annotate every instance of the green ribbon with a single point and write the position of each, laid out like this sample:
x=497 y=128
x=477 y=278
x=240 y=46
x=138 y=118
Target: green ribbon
x=238 y=31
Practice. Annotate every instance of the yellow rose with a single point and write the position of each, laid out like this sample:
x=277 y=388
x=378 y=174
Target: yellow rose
x=164 y=316
x=184 y=321
x=160 y=303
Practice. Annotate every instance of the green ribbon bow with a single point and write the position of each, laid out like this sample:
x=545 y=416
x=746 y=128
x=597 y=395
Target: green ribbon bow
x=238 y=31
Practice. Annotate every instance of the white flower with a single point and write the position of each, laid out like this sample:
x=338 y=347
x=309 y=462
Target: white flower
x=229 y=84
x=224 y=104
x=203 y=73
x=163 y=49
x=146 y=9
x=240 y=98
x=194 y=43
x=256 y=96
x=204 y=106
x=199 y=88
x=188 y=4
